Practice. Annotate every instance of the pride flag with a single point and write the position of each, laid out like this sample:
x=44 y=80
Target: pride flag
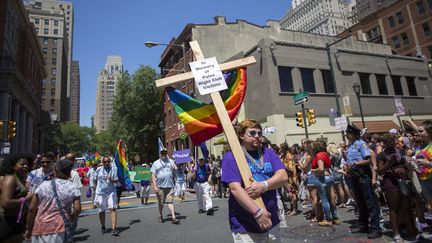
x=122 y=167
x=200 y=119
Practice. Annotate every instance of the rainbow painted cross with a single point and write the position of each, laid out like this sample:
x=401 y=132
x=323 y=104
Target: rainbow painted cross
x=205 y=123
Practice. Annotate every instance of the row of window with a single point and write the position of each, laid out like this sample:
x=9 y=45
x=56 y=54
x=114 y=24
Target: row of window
x=286 y=82
x=46 y=31
x=46 y=21
x=421 y=8
x=46 y=40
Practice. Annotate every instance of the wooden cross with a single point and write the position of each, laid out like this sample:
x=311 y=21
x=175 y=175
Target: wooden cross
x=221 y=111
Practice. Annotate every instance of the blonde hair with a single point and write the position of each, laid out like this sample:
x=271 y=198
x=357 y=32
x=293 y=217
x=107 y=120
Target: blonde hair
x=244 y=125
x=332 y=148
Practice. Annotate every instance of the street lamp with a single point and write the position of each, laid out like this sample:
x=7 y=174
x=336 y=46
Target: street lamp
x=151 y=44
x=356 y=87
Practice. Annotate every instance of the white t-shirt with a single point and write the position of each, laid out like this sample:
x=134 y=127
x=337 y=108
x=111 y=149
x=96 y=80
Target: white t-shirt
x=75 y=178
x=36 y=177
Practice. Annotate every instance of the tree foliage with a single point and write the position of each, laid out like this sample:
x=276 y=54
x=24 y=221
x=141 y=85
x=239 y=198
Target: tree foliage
x=138 y=109
x=70 y=137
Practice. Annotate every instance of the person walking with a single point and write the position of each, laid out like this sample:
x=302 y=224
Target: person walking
x=163 y=174
x=180 y=182
x=55 y=208
x=106 y=194
x=248 y=222
x=358 y=162
x=145 y=188
x=91 y=174
x=37 y=176
x=202 y=187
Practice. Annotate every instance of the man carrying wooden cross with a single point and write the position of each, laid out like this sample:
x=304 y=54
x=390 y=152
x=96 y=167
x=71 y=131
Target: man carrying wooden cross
x=259 y=220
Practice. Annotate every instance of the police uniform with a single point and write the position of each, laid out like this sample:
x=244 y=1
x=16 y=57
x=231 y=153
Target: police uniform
x=362 y=185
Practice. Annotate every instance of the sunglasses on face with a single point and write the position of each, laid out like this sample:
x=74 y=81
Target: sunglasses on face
x=46 y=161
x=254 y=133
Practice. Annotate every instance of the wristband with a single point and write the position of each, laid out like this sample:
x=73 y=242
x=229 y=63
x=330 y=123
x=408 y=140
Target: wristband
x=265 y=186
x=258 y=213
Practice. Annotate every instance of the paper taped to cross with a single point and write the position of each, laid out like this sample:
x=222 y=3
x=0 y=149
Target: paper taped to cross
x=208 y=76
x=341 y=123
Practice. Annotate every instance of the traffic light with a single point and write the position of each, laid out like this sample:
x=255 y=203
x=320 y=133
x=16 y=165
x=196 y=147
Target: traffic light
x=12 y=130
x=299 y=118
x=311 y=116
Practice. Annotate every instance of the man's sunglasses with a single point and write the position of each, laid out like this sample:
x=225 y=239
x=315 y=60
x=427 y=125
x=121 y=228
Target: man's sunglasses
x=46 y=161
x=254 y=133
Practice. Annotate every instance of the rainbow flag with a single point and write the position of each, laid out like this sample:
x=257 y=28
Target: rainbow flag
x=200 y=119
x=122 y=168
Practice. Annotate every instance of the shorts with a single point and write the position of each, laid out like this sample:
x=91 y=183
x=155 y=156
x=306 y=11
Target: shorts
x=105 y=202
x=180 y=188
x=337 y=177
x=311 y=180
x=145 y=191
x=165 y=195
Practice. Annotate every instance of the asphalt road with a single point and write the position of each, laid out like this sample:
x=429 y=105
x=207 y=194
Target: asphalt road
x=139 y=223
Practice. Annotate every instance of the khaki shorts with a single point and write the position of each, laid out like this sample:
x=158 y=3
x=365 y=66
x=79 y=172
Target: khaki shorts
x=165 y=195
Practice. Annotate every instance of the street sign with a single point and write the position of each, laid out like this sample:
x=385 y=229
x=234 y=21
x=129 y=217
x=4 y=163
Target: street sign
x=301 y=98
x=4 y=148
x=183 y=135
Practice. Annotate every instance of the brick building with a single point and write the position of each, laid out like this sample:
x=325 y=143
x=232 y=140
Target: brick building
x=406 y=26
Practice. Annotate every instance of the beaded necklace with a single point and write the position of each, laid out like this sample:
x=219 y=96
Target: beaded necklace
x=258 y=163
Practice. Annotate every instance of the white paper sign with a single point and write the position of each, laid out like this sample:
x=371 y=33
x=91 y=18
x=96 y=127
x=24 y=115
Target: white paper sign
x=347 y=106
x=400 y=109
x=341 y=123
x=208 y=76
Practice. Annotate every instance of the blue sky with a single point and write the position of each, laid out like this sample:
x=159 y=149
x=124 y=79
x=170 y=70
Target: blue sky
x=113 y=27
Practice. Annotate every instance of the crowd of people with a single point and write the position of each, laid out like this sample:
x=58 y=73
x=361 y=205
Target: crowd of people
x=40 y=197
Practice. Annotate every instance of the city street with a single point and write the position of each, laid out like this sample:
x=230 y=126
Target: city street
x=139 y=223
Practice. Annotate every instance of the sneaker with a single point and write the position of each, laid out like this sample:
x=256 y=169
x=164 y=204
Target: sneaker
x=325 y=223
x=210 y=211
x=115 y=232
x=201 y=211
x=374 y=235
x=336 y=222
x=350 y=202
x=103 y=230
x=398 y=238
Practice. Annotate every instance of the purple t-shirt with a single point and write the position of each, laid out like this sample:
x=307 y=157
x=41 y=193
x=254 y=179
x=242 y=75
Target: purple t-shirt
x=241 y=221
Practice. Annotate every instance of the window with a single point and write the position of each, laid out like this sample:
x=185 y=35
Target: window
x=285 y=79
x=430 y=3
x=328 y=81
x=56 y=22
x=307 y=79
x=52 y=103
x=36 y=21
x=53 y=82
x=400 y=18
x=54 y=61
x=420 y=8
x=54 y=51
x=46 y=31
x=45 y=41
x=382 y=84
x=45 y=50
x=405 y=39
x=46 y=21
x=37 y=30
x=56 y=32
x=55 y=41
x=373 y=33
x=53 y=71
x=397 y=85
x=411 y=86
x=426 y=29
x=53 y=91
x=391 y=22
x=365 y=83
x=396 y=42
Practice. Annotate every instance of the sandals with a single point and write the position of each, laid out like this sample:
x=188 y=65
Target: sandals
x=175 y=221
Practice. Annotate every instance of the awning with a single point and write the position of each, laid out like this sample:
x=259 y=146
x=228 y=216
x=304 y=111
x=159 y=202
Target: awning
x=377 y=126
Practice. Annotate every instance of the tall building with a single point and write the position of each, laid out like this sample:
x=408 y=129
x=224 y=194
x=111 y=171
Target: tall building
x=53 y=20
x=288 y=61
x=367 y=7
x=106 y=86
x=75 y=92
x=326 y=17
x=406 y=26
x=21 y=74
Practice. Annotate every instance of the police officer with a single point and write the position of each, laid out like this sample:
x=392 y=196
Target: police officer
x=358 y=156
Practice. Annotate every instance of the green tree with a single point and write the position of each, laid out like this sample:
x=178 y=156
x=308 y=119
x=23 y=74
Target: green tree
x=138 y=109
x=104 y=143
x=70 y=137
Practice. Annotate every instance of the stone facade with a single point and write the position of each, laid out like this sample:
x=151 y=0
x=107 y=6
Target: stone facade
x=21 y=75
x=75 y=92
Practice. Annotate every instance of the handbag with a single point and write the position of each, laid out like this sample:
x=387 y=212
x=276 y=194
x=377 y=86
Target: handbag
x=406 y=189
x=69 y=226
x=89 y=193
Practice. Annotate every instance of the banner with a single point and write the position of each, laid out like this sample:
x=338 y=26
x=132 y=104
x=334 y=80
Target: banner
x=142 y=173
x=341 y=123
x=400 y=109
x=347 y=106
x=182 y=156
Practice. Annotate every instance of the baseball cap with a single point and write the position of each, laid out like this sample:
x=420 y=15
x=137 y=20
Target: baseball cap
x=393 y=131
